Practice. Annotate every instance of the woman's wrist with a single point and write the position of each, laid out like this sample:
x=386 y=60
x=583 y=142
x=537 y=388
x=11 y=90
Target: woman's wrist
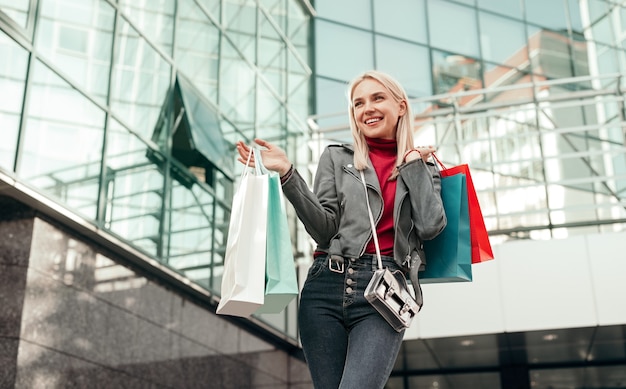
x=285 y=176
x=409 y=152
x=283 y=172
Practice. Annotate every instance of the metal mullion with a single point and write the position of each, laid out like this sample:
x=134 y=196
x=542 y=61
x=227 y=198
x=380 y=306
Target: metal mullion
x=102 y=201
x=32 y=58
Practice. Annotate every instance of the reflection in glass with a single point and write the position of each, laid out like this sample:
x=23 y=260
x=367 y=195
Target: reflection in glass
x=16 y=10
x=237 y=83
x=272 y=56
x=555 y=55
x=454 y=73
x=331 y=99
x=240 y=20
x=441 y=16
x=356 y=13
x=511 y=8
x=12 y=76
x=154 y=18
x=197 y=48
x=406 y=19
x=58 y=119
x=78 y=39
x=134 y=190
x=502 y=40
x=270 y=114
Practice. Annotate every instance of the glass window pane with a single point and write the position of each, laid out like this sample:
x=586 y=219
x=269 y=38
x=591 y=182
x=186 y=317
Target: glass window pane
x=607 y=60
x=512 y=8
x=12 y=77
x=406 y=62
x=342 y=52
x=134 y=189
x=154 y=18
x=140 y=81
x=602 y=32
x=237 y=85
x=502 y=40
x=197 y=48
x=356 y=13
x=597 y=9
x=272 y=56
x=298 y=86
x=58 y=119
x=442 y=15
x=406 y=19
x=240 y=20
x=549 y=14
x=78 y=40
x=332 y=100
x=574 y=16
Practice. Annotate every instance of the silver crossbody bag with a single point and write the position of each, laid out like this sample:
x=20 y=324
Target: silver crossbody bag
x=388 y=295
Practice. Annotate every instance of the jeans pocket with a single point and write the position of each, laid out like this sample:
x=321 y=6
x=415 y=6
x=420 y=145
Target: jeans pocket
x=318 y=266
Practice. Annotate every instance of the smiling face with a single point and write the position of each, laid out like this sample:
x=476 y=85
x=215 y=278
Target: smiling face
x=375 y=111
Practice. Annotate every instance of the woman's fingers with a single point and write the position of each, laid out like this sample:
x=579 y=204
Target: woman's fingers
x=245 y=154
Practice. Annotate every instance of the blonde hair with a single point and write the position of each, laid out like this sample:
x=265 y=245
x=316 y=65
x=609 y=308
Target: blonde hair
x=404 y=130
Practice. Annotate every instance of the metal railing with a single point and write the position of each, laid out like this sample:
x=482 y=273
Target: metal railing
x=548 y=159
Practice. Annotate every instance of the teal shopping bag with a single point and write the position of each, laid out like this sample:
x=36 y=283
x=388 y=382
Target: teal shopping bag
x=281 y=284
x=449 y=255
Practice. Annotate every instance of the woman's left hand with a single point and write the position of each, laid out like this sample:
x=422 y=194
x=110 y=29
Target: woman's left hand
x=420 y=151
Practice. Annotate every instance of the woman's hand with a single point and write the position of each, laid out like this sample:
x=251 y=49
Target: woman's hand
x=274 y=158
x=420 y=151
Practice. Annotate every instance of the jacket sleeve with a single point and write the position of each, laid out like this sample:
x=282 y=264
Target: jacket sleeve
x=424 y=185
x=318 y=210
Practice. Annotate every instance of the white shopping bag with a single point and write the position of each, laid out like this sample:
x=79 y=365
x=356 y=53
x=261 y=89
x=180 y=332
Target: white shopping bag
x=243 y=281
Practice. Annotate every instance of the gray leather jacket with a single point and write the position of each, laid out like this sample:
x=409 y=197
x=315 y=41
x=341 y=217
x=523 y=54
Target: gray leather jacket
x=336 y=216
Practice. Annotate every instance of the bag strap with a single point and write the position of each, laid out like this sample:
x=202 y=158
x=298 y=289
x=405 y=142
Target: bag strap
x=438 y=161
x=414 y=267
x=372 y=224
x=259 y=168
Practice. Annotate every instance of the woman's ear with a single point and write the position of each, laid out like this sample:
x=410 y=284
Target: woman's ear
x=402 y=108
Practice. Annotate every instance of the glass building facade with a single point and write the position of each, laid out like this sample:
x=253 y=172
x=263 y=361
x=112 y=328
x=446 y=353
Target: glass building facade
x=126 y=113
x=529 y=93
x=122 y=116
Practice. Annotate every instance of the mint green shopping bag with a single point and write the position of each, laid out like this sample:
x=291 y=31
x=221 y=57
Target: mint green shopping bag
x=281 y=284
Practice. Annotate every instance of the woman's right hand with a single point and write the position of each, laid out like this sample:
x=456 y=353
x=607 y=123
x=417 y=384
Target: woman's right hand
x=274 y=158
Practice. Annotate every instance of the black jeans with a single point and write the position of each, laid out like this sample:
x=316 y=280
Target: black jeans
x=346 y=342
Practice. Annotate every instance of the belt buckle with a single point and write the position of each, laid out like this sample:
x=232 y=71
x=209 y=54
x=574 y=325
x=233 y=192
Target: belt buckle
x=336 y=263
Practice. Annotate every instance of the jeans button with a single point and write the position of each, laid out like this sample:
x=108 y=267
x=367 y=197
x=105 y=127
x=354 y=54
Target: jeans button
x=348 y=290
x=350 y=271
x=349 y=281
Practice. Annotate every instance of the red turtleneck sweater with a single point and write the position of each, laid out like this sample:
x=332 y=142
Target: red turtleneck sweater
x=383 y=154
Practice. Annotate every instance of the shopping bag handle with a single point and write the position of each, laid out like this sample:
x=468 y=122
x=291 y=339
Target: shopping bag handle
x=259 y=168
x=438 y=161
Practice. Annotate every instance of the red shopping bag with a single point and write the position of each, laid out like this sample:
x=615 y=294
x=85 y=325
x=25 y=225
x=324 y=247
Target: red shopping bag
x=481 y=247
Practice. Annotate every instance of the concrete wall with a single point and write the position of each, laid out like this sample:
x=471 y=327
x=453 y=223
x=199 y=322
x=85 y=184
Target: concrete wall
x=74 y=317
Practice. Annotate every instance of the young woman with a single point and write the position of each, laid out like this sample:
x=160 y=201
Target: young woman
x=346 y=342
